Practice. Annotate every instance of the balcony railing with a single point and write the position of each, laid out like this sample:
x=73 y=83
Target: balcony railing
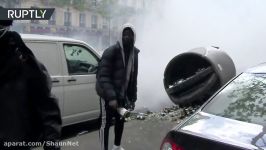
x=82 y=24
x=61 y=30
x=67 y=23
x=51 y=22
x=94 y=26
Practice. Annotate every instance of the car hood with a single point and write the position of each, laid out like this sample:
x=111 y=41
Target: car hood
x=246 y=135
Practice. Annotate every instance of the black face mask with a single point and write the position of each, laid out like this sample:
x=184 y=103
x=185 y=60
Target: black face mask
x=128 y=38
x=127 y=42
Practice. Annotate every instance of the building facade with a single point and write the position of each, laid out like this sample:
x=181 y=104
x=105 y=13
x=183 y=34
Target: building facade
x=69 y=21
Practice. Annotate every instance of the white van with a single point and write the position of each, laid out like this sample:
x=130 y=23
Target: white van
x=72 y=65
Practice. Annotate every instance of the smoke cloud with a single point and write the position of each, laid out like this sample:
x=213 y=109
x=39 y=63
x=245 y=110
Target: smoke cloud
x=170 y=27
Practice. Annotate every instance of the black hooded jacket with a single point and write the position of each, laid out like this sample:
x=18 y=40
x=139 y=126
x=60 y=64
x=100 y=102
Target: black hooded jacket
x=28 y=111
x=112 y=73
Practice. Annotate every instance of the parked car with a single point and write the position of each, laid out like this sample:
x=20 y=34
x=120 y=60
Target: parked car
x=232 y=119
x=72 y=65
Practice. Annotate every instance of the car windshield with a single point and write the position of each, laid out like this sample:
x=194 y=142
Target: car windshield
x=243 y=99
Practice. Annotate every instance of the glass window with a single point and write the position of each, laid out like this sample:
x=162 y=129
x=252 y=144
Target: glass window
x=82 y=20
x=105 y=23
x=94 y=21
x=94 y=3
x=243 y=99
x=48 y=54
x=67 y=18
x=52 y=20
x=80 y=60
x=34 y=21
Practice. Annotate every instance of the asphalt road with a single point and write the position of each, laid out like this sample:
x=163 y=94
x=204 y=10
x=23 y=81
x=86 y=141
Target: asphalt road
x=138 y=135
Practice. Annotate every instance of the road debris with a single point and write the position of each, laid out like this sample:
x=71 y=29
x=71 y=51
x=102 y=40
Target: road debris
x=174 y=113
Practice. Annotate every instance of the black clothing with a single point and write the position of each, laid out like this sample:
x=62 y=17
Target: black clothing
x=117 y=80
x=111 y=76
x=28 y=111
x=6 y=22
x=107 y=115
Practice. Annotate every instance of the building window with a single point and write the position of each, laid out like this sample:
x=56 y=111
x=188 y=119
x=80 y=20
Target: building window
x=67 y=18
x=94 y=3
x=34 y=21
x=105 y=23
x=52 y=20
x=94 y=22
x=82 y=20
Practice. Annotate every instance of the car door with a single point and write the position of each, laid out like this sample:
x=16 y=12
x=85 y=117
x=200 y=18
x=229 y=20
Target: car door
x=48 y=53
x=81 y=101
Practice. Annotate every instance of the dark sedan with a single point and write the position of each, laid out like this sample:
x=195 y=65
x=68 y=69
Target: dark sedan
x=233 y=119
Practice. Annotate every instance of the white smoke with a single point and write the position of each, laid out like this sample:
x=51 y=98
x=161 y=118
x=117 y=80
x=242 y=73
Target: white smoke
x=171 y=27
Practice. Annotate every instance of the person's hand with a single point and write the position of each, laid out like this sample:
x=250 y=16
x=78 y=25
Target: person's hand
x=113 y=104
x=132 y=106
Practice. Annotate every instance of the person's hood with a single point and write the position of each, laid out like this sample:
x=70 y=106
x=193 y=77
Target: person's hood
x=127 y=25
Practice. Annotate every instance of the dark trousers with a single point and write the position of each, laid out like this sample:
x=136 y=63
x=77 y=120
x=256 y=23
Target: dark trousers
x=107 y=115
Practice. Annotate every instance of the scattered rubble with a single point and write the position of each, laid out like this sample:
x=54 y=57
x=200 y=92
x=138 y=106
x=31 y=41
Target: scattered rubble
x=174 y=113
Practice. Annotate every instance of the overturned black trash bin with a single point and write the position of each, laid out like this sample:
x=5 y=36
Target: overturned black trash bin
x=192 y=77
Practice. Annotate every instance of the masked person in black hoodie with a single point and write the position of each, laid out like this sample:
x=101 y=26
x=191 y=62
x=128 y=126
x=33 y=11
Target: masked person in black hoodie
x=28 y=111
x=117 y=84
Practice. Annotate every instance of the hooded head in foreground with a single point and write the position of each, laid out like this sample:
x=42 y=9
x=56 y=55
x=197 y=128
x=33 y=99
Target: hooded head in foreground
x=127 y=37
